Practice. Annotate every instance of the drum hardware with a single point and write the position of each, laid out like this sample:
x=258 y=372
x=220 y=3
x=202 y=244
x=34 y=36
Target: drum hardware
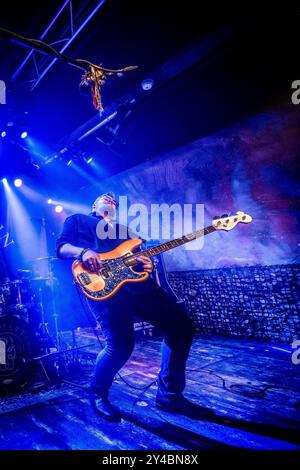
x=55 y=314
x=43 y=333
x=55 y=369
x=18 y=350
x=16 y=295
x=50 y=279
x=24 y=273
x=28 y=349
x=55 y=361
x=24 y=334
x=39 y=278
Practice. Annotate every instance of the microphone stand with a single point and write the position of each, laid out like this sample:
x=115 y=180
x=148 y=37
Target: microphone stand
x=52 y=279
x=55 y=315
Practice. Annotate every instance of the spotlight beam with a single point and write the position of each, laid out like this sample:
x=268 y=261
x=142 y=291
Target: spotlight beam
x=26 y=237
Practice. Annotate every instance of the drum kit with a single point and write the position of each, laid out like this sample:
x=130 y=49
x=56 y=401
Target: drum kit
x=24 y=332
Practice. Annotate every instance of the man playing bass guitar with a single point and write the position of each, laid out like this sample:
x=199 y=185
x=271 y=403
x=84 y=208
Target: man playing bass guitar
x=145 y=300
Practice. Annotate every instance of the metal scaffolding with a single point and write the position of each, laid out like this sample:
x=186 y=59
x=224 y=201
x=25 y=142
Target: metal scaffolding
x=72 y=17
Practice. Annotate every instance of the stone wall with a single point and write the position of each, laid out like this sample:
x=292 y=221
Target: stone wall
x=260 y=302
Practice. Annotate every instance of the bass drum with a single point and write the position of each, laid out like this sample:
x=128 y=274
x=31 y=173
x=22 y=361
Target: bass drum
x=17 y=349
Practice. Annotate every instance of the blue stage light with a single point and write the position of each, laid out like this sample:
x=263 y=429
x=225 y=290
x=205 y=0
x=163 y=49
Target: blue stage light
x=89 y=160
x=24 y=135
x=49 y=201
x=18 y=182
x=3 y=134
x=4 y=180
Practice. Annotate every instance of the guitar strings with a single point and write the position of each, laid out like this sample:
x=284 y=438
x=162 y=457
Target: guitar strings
x=115 y=262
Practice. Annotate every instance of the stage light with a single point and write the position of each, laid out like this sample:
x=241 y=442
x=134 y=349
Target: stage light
x=59 y=208
x=147 y=84
x=4 y=180
x=3 y=134
x=89 y=160
x=49 y=201
x=69 y=162
x=18 y=182
x=27 y=237
x=24 y=135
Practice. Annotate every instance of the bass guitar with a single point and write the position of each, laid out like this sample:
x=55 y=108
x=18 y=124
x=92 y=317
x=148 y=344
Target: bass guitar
x=117 y=266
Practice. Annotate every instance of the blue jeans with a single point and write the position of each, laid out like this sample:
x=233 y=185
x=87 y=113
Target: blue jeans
x=152 y=304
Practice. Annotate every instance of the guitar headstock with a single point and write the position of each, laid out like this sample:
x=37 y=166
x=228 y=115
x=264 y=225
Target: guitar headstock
x=229 y=222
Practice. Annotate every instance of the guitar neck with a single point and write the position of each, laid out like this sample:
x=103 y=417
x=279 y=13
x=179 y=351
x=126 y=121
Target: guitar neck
x=156 y=250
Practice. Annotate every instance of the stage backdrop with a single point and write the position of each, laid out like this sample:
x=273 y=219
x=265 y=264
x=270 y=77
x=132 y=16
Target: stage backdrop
x=252 y=167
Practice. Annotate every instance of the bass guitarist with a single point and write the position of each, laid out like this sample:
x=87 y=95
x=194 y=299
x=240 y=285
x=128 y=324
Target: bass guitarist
x=146 y=300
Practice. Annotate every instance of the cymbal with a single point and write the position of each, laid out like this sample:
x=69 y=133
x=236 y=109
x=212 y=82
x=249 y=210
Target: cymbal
x=15 y=281
x=44 y=258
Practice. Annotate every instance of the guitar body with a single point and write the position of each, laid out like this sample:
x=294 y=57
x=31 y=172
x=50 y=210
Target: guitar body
x=114 y=274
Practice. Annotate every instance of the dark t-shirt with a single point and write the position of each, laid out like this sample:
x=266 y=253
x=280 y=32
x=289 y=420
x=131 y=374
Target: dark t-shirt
x=88 y=231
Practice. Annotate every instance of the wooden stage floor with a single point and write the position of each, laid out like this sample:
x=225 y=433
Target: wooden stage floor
x=251 y=391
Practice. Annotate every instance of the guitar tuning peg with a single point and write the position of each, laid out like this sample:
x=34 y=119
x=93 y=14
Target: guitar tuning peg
x=224 y=216
x=216 y=217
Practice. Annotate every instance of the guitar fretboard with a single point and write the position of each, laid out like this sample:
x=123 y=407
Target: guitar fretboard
x=156 y=250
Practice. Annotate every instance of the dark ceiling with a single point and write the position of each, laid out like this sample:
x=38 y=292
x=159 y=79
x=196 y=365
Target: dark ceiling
x=209 y=71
